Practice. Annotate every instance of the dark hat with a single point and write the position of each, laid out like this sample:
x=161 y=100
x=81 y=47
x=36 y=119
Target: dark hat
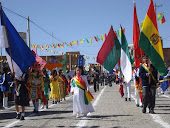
x=144 y=55
x=5 y=69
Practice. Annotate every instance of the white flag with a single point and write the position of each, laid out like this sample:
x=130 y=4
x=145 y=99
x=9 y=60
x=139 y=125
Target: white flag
x=3 y=38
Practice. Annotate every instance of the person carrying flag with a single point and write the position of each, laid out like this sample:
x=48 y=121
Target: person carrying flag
x=148 y=74
x=81 y=94
x=21 y=96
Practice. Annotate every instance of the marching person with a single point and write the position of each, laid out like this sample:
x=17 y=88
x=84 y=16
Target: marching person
x=127 y=90
x=5 y=86
x=21 y=96
x=81 y=94
x=96 y=79
x=55 y=82
x=102 y=79
x=65 y=83
x=36 y=84
x=126 y=87
x=121 y=86
x=138 y=88
x=46 y=89
x=148 y=74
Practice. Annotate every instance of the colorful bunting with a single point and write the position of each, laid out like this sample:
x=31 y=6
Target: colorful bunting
x=81 y=41
x=96 y=38
x=87 y=40
x=91 y=41
x=102 y=37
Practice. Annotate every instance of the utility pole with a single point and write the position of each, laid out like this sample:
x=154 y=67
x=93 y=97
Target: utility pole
x=157 y=6
x=52 y=37
x=70 y=61
x=28 y=31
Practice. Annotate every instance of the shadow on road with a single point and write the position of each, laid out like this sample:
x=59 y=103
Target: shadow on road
x=12 y=115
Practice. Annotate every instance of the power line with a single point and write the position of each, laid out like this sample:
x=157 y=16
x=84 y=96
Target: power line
x=43 y=29
x=34 y=24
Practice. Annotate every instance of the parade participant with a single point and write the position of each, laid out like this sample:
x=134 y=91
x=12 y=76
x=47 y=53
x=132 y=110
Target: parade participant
x=121 y=86
x=21 y=96
x=36 y=84
x=96 y=79
x=127 y=90
x=138 y=87
x=5 y=86
x=88 y=77
x=102 y=79
x=69 y=81
x=55 y=81
x=148 y=74
x=65 y=83
x=46 y=89
x=81 y=94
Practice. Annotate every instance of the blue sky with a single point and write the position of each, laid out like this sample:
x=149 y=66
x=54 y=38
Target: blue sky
x=72 y=20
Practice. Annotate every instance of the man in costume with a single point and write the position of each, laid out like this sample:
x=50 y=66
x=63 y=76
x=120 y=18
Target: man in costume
x=36 y=84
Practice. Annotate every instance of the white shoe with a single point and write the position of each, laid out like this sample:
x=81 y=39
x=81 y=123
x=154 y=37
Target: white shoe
x=77 y=116
x=42 y=107
x=6 y=107
x=84 y=115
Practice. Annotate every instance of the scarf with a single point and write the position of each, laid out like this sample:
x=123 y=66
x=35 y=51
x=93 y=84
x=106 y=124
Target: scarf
x=79 y=82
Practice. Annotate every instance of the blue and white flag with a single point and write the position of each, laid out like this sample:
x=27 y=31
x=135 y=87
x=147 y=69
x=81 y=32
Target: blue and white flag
x=22 y=56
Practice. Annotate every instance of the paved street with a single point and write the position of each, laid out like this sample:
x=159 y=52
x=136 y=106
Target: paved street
x=111 y=111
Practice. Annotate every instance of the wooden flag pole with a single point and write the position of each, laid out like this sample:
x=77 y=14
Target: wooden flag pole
x=149 y=66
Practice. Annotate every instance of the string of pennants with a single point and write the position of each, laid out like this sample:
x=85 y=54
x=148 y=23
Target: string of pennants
x=73 y=43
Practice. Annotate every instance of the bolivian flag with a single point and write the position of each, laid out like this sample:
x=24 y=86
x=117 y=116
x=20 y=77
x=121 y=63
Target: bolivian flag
x=150 y=40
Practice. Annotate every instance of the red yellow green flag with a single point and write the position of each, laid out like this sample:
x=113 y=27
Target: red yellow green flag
x=161 y=18
x=150 y=40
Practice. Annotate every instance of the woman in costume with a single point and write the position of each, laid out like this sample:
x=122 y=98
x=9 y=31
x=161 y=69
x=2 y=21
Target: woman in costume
x=81 y=94
x=46 y=89
x=55 y=81
x=65 y=84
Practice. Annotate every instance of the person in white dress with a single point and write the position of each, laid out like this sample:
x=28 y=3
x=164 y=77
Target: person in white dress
x=79 y=105
x=137 y=96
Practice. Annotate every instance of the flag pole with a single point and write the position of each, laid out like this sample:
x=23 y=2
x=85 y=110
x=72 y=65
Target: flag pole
x=1 y=60
x=149 y=64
